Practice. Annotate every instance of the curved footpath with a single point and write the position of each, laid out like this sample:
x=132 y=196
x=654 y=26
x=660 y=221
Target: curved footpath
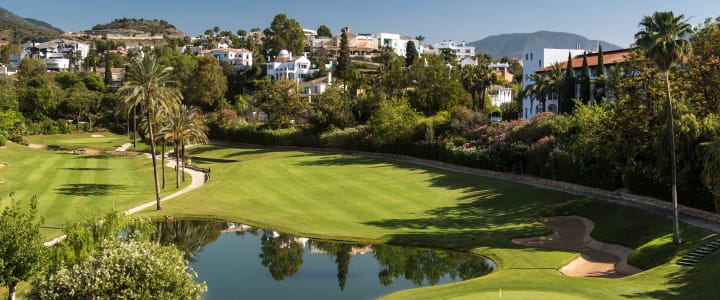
x=597 y=259
x=198 y=179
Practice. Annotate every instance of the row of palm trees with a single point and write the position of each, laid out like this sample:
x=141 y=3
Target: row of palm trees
x=149 y=87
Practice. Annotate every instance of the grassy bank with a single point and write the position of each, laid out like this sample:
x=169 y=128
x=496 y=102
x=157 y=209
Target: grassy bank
x=69 y=185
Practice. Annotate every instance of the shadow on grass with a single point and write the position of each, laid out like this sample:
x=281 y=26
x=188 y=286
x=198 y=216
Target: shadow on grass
x=86 y=189
x=88 y=157
x=86 y=169
x=207 y=160
x=340 y=160
x=699 y=282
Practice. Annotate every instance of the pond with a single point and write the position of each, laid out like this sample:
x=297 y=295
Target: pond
x=242 y=262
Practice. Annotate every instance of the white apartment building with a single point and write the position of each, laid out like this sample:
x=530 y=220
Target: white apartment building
x=316 y=86
x=500 y=96
x=461 y=50
x=396 y=42
x=57 y=54
x=284 y=65
x=535 y=60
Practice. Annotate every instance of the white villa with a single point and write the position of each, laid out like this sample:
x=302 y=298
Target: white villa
x=240 y=59
x=57 y=54
x=538 y=59
x=284 y=65
x=316 y=86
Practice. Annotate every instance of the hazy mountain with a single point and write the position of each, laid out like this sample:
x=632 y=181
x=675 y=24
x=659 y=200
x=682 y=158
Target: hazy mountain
x=17 y=29
x=515 y=44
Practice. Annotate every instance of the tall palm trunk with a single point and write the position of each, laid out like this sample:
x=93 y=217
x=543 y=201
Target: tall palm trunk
x=134 y=126
x=177 y=165
x=671 y=123
x=162 y=165
x=182 y=143
x=154 y=159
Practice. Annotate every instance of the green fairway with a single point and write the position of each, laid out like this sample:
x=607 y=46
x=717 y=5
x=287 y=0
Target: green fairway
x=68 y=185
x=355 y=198
x=104 y=141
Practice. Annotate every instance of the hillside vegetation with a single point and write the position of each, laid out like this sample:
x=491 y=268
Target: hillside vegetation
x=17 y=29
x=153 y=27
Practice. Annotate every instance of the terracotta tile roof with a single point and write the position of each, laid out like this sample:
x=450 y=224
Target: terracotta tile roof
x=318 y=80
x=609 y=58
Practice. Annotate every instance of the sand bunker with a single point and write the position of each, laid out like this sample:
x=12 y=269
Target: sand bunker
x=2 y=165
x=597 y=259
x=97 y=135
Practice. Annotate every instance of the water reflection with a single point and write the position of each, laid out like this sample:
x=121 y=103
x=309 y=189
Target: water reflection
x=212 y=247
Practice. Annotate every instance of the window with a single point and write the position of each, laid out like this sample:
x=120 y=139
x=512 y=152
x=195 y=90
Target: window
x=526 y=56
x=540 y=63
x=531 y=56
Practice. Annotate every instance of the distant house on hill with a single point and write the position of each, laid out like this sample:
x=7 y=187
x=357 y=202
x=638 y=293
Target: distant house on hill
x=284 y=65
x=240 y=59
x=57 y=55
x=118 y=76
x=316 y=86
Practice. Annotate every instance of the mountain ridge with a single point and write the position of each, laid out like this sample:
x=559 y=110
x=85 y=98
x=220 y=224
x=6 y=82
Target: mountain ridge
x=513 y=45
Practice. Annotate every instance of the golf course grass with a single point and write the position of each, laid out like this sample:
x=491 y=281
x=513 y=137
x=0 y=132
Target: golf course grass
x=68 y=185
x=367 y=200
x=103 y=141
x=355 y=198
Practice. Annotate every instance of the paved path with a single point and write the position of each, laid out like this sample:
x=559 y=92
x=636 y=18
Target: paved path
x=198 y=179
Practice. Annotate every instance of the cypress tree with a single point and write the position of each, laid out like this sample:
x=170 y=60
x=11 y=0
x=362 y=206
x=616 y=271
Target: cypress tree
x=585 y=81
x=411 y=54
x=600 y=77
x=343 y=66
x=568 y=93
x=108 y=71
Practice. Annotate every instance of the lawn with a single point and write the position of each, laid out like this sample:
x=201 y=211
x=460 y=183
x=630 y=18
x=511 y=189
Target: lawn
x=69 y=185
x=354 y=198
x=103 y=141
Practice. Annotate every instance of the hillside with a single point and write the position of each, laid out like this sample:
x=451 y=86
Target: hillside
x=17 y=29
x=135 y=27
x=515 y=44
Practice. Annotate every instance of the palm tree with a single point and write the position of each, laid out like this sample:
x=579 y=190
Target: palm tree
x=420 y=39
x=663 y=36
x=149 y=83
x=160 y=117
x=184 y=127
x=476 y=79
x=556 y=78
x=539 y=89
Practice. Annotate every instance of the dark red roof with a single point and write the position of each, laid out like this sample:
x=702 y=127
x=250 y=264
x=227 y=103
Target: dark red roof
x=609 y=58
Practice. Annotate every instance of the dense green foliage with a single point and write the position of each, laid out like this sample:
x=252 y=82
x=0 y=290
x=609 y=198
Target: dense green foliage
x=21 y=249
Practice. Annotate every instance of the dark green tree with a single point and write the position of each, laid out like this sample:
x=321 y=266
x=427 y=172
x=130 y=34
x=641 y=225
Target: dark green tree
x=585 y=81
x=21 y=249
x=324 y=31
x=207 y=85
x=663 y=37
x=599 y=91
x=283 y=34
x=568 y=89
x=344 y=64
x=437 y=86
x=108 y=72
x=411 y=54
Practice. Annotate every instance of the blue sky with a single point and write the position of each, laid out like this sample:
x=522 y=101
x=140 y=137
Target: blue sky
x=614 y=21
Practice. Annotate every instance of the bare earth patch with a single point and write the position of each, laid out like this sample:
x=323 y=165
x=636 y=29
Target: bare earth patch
x=597 y=259
x=97 y=135
x=37 y=146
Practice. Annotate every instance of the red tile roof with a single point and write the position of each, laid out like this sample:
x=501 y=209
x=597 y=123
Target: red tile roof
x=609 y=58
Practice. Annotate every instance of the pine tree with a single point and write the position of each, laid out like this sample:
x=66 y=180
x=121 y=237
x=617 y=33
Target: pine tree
x=566 y=102
x=600 y=77
x=343 y=66
x=585 y=81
